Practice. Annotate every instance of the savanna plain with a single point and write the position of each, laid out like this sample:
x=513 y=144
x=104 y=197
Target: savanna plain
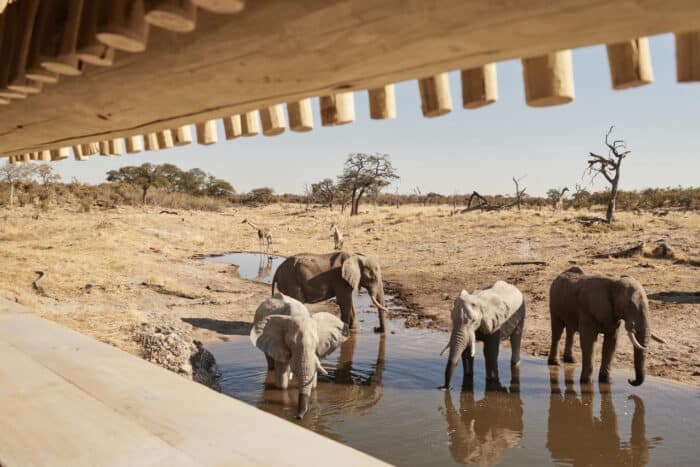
x=109 y=273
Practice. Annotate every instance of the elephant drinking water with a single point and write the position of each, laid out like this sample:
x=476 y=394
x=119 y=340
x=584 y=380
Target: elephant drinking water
x=294 y=340
x=313 y=278
x=489 y=315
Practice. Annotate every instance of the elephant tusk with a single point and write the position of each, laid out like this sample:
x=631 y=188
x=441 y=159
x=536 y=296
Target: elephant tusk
x=635 y=342
x=445 y=349
x=320 y=368
x=376 y=303
x=657 y=338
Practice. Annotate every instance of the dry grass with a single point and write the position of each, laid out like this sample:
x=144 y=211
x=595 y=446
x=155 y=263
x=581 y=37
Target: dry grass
x=97 y=261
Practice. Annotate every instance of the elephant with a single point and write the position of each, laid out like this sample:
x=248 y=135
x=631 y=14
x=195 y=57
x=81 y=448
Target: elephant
x=480 y=431
x=490 y=315
x=572 y=428
x=294 y=340
x=313 y=278
x=593 y=304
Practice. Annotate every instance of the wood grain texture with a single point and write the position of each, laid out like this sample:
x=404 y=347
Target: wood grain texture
x=382 y=102
x=435 y=96
x=283 y=51
x=688 y=56
x=272 y=120
x=549 y=79
x=479 y=86
x=232 y=127
x=301 y=117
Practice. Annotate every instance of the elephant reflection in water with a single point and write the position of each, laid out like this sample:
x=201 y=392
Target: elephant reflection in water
x=481 y=430
x=576 y=436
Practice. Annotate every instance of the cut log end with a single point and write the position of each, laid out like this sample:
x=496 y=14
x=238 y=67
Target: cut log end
x=221 y=6
x=169 y=17
x=68 y=65
x=121 y=42
x=97 y=54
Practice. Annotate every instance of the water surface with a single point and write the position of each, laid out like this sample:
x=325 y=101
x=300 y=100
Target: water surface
x=380 y=398
x=254 y=266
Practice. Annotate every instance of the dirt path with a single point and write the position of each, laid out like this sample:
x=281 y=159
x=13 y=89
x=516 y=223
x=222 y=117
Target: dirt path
x=110 y=271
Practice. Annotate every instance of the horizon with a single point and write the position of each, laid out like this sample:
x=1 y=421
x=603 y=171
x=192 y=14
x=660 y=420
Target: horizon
x=655 y=121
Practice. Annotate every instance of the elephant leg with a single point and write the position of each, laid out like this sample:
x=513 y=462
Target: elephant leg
x=270 y=362
x=609 y=345
x=468 y=366
x=491 y=346
x=588 y=336
x=515 y=339
x=347 y=310
x=568 y=347
x=557 y=329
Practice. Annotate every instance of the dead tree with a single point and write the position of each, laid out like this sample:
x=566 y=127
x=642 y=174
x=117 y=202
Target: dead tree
x=519 y=194
x=609 y=167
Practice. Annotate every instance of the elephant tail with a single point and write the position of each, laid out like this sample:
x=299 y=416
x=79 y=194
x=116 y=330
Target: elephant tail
x=274 y=281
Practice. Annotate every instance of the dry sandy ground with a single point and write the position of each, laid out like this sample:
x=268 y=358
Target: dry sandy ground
x=107 y=270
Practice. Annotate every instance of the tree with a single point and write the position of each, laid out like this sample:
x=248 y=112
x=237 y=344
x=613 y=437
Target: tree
x=365 y=173
x=218 y=188
x=47 y=175
x=14 y=174
x=144 y=176
x=324 y=192
x=609 y=168
x=264 y=195
x=519 y=193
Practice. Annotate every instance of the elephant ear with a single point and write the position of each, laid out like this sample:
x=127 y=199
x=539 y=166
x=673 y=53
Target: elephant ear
x=351 y=271
x=331 y=333
x=269 y=336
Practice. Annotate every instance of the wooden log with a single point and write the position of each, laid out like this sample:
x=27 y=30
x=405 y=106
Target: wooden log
x=60 y=154
x=78 y=153
x=123 y=25
x=232 y=127
x=300 y=115
x=630 y=63
x=688 y=56
x=88 y=48
x=115 y=147
x=435 y=96
x=33 y=156
x=382 y=103
x=58 y=53
x=134 y=144
x=273 y=121
x=13 y=160
x=173 y=15
x=151 y=142
x=479 y=86
x=249 y=123
x=206 y=132
x=45 y=155
x=17 y=79
x=39 y=36
x=182 y=136
x=549 y=79
x=26 y=157
x=104 y=148
x=221 y=6
x=337 y=109
x=89 y=149
x=165 y=139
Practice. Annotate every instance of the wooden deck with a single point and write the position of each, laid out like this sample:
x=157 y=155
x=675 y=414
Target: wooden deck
x=66 y=399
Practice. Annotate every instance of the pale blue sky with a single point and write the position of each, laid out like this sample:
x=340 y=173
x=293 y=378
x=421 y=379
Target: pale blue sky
x=472 y=149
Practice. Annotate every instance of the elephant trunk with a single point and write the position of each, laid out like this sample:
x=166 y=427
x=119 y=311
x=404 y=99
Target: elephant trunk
x=377 y=297
x=640 y=339
x=458 y=342
x=304 y=366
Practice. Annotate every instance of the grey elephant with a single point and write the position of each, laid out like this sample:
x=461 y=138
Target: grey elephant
x=490 y=315
x=313 y=278
x=593 y=304
x=294 y=341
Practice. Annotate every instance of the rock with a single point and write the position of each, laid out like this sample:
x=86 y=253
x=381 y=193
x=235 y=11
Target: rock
x=173 y=349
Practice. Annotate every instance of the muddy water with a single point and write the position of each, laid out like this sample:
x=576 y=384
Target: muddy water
x=380 y=398
x=254 y=266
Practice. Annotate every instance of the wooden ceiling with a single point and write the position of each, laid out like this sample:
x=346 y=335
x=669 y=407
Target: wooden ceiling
x=284 y=51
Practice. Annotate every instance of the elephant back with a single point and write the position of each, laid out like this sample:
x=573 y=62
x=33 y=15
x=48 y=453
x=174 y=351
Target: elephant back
x=502 y=304
x=279 y=304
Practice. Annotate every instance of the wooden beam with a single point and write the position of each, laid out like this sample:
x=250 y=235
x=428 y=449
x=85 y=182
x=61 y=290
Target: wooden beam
x=206 y=132
x=232 y=127
x=688 y=56
x=249 y=123
x=301 y=117
x=435 y=96
x=479 y=86
x=549 y=79
x=273 y=121
x=337 y=109
x=182 y=136
x=382 y=102
x=134 y=144
x=227 y=66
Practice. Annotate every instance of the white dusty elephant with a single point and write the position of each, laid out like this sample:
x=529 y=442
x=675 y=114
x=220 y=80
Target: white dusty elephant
x=294 y=340
x=490 y=315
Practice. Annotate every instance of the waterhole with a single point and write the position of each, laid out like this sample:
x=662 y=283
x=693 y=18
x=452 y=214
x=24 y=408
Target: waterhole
x=380 y=398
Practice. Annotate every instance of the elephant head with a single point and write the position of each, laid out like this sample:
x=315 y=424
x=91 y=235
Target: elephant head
x=631 y=304
x=364 y=271
x=467 y=314
x=298 y=341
